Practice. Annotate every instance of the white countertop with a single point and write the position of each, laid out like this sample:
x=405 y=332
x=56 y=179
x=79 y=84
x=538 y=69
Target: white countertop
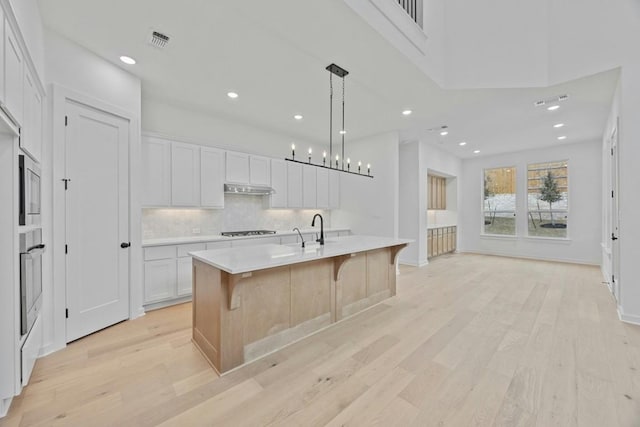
x=217 y=237
x=252 y=258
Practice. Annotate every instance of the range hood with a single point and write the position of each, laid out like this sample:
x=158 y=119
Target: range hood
x=249 y=190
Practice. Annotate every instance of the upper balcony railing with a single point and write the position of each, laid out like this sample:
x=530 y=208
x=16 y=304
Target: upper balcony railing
x=413 y=9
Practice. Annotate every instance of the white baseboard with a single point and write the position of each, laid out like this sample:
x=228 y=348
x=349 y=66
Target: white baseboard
x=511 y=255
x=5 y=404
x=51 y=348
x=413 y=264
x=628 y=318
x=139 y=313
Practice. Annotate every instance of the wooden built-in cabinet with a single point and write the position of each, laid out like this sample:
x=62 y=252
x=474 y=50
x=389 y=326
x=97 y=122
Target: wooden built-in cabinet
x=441 y=241
x=437 y=192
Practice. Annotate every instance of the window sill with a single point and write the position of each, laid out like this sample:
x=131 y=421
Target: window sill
x=561 y=240
x=498 y=237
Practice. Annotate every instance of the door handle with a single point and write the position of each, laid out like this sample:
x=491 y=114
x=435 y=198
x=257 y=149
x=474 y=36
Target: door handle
x=613 y=237
x=125 y=245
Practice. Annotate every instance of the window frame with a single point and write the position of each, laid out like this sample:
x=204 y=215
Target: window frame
x=483 y=211
x=567 y=211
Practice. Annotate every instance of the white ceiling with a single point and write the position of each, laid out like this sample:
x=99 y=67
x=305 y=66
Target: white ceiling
x=274 y=54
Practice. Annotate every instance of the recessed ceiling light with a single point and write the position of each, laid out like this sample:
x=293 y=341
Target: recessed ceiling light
x=444 y=133
x=462 y=144
x=476 y=151
x=127 y=60
x=553 y=108
x=232 y=95
x=407 y=112
x=558 y=125
x=562 y=137
x=298 y=117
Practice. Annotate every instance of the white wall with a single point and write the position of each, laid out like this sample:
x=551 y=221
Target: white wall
x=409 y=212
x=370 y=206
x=28 y=17
x=72 y=67
x=585 y=200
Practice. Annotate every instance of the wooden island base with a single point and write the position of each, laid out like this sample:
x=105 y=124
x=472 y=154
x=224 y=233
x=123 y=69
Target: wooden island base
x=239 y=317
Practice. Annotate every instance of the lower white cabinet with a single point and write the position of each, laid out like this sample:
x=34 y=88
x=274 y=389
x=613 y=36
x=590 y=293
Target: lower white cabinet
x=185 y=275
x=159 y=280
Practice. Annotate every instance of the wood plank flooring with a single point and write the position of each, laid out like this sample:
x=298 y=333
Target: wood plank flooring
x=469 y=340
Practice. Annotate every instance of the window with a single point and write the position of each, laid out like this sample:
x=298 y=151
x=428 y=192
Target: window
x=547 y=187
x=499 y=205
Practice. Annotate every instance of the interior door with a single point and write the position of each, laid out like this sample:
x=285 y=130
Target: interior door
x=615 y=246
x=97 y=219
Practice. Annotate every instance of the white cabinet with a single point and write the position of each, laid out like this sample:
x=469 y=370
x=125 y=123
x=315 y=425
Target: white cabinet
x=294 y=185
x=156 y=172
x=185 y=175
x=2 y=24
x=31 y=132
x=309 y=187
x=13 y=75
x=256 y=241
x=218 y=245
x=185 y=276
x=322 y=188
x=159 y=280
x=237 y=168
x=259 y=170
x=279 y=183
x=211 y=177
x=334 y=190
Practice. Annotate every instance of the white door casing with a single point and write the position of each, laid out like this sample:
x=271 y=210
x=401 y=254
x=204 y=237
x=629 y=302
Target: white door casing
x=97 y=219
x=614 y=209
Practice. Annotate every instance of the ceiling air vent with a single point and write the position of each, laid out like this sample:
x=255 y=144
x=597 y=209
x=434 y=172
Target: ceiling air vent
x=551 y=100
x=158 y=39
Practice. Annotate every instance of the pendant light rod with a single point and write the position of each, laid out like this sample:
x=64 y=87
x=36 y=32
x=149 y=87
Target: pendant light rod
x=342 y=130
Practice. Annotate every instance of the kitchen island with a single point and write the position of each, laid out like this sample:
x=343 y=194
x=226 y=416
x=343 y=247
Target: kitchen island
x=251 y=301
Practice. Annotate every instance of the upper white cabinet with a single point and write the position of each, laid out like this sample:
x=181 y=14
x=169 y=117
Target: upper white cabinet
x=211 y=177
x=322 y=188
x=185 y=175
x=334 y=190
x=279 y=183
x=259 y=170
x=309 y=186
x=237 y=168
x=13 y=75
x=2 y=60
x=294 y=185
x=31 y=132
x=156 y=172
x=243 y=168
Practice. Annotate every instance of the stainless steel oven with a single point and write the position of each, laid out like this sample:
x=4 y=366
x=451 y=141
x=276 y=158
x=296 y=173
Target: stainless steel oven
x=30 y=199
x=31 y=250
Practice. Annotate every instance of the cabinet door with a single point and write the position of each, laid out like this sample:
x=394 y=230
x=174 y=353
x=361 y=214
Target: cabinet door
x=259 y=170
x=309 y=187
x=334 y=190
x=185 y=174
x=237 y=168
x=279 y=183
x=13 y=68
x=218 y=245
x=255 y=242
x=159 y=280
x=294 y=185
x=454 y=243
x=322 y=188
x=429 y=243
x=2 y=60
x=156 y=172
x=31 y=132
x=211 y=178
x=185 y=275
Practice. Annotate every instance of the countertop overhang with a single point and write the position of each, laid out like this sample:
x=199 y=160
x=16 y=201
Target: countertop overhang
x=260 y=257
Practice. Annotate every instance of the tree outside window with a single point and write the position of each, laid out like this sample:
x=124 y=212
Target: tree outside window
x=548 y=213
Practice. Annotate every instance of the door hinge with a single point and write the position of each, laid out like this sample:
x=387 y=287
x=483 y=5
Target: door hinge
x=613 y=279
x=66 y=183
x=613 y=237
x=66 y=313
x=66 y=249
x=612 y=194
x=66 y=120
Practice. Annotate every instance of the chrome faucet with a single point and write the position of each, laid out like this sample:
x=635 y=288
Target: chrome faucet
x=301 y=238
x=313 y=223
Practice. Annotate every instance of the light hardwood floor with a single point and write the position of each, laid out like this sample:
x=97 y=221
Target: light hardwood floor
x=468 y=340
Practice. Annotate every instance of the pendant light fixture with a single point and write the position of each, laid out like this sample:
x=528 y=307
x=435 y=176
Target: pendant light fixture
x=340 y=158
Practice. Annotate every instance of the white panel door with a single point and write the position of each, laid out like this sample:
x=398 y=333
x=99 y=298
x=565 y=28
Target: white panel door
x=13 y=69
x=185 y=174
x=322 y=188
x=309 y=187
x=211 y=178
x=156 y=172
x=97 y=219
x=279 y=183
x=294 y=185
x=259 y=170
x=237 y=168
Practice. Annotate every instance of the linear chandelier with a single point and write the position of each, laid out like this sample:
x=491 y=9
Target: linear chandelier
x=339 y=161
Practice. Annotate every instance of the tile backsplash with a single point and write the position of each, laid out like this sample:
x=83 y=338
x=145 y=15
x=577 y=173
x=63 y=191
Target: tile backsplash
x=241 y=212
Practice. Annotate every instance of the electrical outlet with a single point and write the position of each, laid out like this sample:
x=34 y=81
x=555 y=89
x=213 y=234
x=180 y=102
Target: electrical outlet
x=195 y=231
